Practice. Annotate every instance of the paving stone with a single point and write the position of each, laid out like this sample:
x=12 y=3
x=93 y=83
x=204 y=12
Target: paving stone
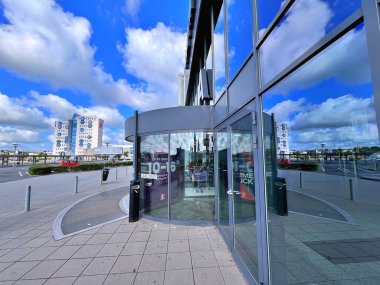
x=14 y=243
x=64 y=252
x=88 y=250
x=143 y=227
x=160 y=227
x=232 y=276
x=153 y=247
x=30 y=282
x=109 y=229
x=126 y=264
x=218 y=244
x=200 y=244
x=153 y=262
x=224 y=258
x=120 y=279
x=111 y=249
x=178 y=260
x=93 y=280
x=180 y=245
x=126 y=228
x=133 y=248
x=4 y=265
x=4 y=251
x=61 y=281
x=179 y=277
x=39 y=253
x=100 y=265
x=196 y=233
x=44 y=270
x=18 y=269
x=203 y=259
x=209 y=276
x=119 y=238
x=159 y=235
x=16 y=254
x=178 y=234
x=57 y=243
x=78 y=240
x=99 y=239
x=150 y=278
x=139 y=236
x=73 y=267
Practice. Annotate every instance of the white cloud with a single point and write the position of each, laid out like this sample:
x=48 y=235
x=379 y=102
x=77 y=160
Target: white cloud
x=10 y=135
x=132 y=7
x=156 y=56
x=285 y=109
x=44 y=43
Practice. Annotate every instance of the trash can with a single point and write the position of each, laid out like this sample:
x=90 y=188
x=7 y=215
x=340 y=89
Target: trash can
x=105 y=173
x=134 y=201
x=281 y=197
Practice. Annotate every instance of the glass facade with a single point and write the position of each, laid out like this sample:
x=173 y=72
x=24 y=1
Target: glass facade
x=179 y=174
x=219 y=55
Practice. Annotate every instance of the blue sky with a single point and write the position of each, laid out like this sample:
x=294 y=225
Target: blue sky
x=100 y=57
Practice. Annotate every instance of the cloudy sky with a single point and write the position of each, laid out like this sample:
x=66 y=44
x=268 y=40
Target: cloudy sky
x=92 y=57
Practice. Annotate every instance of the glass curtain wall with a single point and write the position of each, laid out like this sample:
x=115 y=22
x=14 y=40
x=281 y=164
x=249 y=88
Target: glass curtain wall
x=192 y=179
x=329 y=164
x=191 y=169
x=219 y=55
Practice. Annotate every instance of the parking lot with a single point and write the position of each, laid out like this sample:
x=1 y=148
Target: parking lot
x=8 y=174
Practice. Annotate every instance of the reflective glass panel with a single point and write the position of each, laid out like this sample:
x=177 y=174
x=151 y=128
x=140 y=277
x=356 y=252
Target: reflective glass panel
x=306 y=22
x=322 y=157
x=222 y=152
x=243 y=193
x=154 y=168
x=192 y=176
x=219 y=55
x=239 y=15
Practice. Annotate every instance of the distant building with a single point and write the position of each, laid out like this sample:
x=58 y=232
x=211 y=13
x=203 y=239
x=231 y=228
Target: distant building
x=282 y=133
x=77 y=135
x=182 y=85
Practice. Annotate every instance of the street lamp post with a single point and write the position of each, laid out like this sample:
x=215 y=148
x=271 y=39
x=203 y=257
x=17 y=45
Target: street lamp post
x=15 y=145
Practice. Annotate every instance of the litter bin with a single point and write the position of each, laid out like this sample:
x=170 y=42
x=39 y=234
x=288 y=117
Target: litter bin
x=281 y=197
x=105 y=173
x=134 y=201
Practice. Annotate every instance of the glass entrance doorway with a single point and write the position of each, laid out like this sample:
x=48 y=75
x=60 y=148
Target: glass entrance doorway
x=236 y=186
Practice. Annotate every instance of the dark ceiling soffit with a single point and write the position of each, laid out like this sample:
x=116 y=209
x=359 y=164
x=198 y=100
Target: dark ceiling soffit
x=170 y=120
x=203 y=31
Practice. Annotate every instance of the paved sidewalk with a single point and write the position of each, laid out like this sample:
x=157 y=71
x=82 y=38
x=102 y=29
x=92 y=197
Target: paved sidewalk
x=145 y=253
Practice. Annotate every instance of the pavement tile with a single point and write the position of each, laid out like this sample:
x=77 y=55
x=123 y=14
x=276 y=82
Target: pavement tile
x=44 y=270
x=16 y=254
x=109 y=229
x=4 y=251
x=232 y=276
x=33 y=233
x=18 y=269
x=203 y=259
x=126 y=264
x=224 y=258
x=179 y=245
x=179 y=277
x=126 y=228
x=14 y=243
x=159 y=235
x=143 y=227
x=133 y=248
x=39 y=253
x=160 y=227
x=178 y=260
x=153 y=247
x=209 y=276
x=153 y=262
x=120 y=279
x=4 y=265
x=111 y=249
x=57 y=243
x=178 y=234
x=36 y=242
x=30 y=282
x=61 y=281
x=78 y=240
x=99 y=239
x=196 y=233
x=88 y=250
x=64 y=252
x=3 y=241
x=150 y=278
x=100 y=265
x=119 y=237
x=6 y=282
x=139 y=236
x=73 y=267
x=93 y=280
x=218 y=244
x=200 y=244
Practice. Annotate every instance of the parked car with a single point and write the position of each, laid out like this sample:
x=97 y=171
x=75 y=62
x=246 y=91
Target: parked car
x=68 y=163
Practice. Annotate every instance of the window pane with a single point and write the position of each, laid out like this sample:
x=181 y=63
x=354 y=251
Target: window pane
x=307 y=22
x=267 y=10
x=219 y=57
x=328 y=173
x=239 y=14
x=192 y=179
x=154 y=175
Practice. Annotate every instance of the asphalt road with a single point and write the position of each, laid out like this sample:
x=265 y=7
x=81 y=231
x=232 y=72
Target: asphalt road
x=8 y=174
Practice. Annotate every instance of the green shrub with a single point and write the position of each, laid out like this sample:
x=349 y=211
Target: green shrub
x=299 y=166
x=87 y=166
x=60 y=169
x=40 y=169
